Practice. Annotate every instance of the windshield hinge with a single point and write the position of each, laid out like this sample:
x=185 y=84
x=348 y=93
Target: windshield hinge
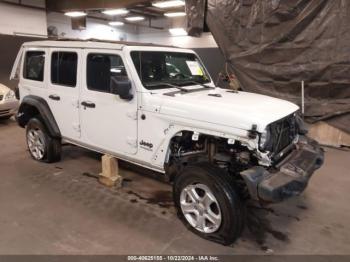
x=76 y=127
x=132 y=141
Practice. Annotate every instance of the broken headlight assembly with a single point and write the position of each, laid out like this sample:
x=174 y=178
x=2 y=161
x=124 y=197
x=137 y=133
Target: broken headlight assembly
x=264 y=139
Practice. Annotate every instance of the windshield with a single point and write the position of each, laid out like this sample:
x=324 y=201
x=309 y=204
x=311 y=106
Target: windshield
x=159 y=70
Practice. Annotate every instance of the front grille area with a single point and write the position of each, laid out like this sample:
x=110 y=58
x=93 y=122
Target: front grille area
x=282 y=133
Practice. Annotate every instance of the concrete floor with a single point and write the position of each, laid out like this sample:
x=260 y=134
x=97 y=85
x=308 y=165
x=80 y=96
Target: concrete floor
x=55 y=209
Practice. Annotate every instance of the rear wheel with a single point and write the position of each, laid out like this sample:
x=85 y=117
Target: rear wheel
x=208 y=203
x=41 y=145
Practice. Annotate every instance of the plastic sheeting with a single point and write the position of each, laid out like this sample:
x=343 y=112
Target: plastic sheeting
x=273 y=45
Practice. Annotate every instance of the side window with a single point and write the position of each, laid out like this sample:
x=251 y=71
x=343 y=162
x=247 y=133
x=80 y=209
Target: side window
x=34 y=65
x=104 y=70
x=64 y=68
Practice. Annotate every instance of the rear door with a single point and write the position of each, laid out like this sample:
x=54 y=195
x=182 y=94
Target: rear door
x=108 y=122
x=63 y=89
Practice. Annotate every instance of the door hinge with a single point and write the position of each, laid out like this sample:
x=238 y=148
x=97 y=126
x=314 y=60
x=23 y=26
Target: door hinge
x=76 y=127
x=75 y=103
x=132 y=141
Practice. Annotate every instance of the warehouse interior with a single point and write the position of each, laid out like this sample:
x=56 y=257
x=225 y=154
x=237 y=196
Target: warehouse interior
x=298 y=51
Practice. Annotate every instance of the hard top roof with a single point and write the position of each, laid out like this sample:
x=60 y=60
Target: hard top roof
x=90 y=43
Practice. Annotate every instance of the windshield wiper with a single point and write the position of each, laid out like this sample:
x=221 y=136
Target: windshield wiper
x=167 y=84
x=197 y=83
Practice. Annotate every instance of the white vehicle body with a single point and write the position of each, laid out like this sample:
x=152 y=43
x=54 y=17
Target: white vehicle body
x=157 y=107
x=8 y=102
x=115 y=125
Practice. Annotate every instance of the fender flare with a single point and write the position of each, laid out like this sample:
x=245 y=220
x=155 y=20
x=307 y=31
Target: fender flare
x=24 y=114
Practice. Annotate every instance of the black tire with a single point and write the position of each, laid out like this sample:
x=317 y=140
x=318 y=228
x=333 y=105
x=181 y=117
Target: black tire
x=51 y=146
x=222 y=187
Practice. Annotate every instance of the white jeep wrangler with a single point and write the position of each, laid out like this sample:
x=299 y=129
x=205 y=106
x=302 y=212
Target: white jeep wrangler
x=157 y=107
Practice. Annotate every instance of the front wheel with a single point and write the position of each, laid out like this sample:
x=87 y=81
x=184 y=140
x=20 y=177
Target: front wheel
x=42 y=147
x=208 y=203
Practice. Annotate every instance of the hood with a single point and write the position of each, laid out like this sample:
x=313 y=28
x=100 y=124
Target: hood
x=240 y=110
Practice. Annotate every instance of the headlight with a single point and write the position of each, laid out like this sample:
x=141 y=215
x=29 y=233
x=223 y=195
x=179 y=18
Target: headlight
x=10 y=95
x=264 y=139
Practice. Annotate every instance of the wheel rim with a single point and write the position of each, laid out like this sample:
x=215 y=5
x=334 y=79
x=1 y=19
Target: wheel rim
x=200 y=208
x=36 y=143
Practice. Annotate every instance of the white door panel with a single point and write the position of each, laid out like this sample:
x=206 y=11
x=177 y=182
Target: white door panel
x=107 y=121
x=64 y=99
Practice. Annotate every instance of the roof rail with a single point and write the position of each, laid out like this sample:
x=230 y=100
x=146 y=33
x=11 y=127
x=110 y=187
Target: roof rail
x=127 y=43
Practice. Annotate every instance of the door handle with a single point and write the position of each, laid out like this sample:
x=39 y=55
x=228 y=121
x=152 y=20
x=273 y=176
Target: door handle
x=55 y=97
x=88 y=104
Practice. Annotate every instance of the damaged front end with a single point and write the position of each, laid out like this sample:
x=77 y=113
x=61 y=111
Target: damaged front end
x=294 y=157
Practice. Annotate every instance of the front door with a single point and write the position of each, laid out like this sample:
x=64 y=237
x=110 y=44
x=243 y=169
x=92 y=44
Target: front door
x=108 y=122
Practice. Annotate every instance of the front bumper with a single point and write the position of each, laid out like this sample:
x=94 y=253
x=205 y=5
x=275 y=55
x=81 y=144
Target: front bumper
x=8 y=108
x=290 y=178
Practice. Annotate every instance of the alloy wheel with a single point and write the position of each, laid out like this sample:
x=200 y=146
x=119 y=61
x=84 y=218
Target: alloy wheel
x=200 y=208
x=36 y=143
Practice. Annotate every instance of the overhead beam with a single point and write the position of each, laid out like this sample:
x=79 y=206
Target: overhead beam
x=128 y=23
x=68 y=5
x=146 y=12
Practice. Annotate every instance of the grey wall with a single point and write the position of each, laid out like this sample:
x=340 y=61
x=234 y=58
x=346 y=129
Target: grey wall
x=9 y=46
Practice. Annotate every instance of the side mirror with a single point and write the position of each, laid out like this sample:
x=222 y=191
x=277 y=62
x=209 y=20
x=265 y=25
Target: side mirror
x=121 y=87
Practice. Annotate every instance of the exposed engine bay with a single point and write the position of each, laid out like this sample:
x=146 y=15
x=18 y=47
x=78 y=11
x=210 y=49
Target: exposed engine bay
x=285 y=144
x=188 y=147
x=233 y=156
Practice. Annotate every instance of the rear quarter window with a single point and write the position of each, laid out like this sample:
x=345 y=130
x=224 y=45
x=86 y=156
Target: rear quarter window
x=34 y=63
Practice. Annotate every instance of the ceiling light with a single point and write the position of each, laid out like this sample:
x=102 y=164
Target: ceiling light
x=175 y=14
x=167 y=4
x=116 y=23
x=177 y=31
x=121 y=11
x=135 y=18
x=75 y=14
